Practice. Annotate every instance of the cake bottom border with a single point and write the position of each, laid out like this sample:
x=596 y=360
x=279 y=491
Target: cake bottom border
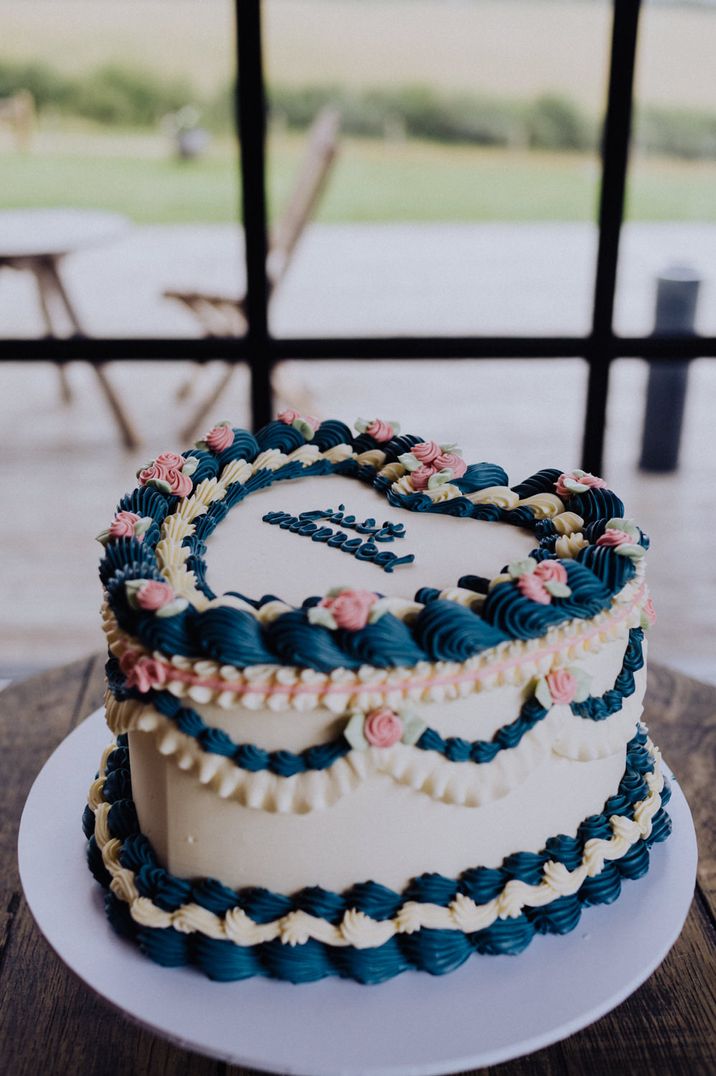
x=369 y=933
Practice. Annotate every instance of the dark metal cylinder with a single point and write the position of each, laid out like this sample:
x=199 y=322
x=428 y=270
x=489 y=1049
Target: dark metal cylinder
x=676 y=300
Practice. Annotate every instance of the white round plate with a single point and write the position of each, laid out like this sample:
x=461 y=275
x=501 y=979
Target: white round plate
x=491 y=1009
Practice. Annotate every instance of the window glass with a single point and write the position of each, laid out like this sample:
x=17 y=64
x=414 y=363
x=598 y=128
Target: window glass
x=462 y=195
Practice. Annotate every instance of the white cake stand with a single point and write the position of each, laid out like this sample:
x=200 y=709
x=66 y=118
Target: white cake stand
x=489 y=1010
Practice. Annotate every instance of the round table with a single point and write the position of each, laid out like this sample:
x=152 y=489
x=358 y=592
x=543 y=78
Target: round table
x=37 y=241
x=667 y=1026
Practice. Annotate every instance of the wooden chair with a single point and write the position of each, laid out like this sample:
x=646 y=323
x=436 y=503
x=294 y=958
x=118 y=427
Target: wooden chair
x=225 y=315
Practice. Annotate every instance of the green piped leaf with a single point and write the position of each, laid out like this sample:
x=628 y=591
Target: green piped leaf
x=413 y=728
x=633 y=552
x=319 y=614
x=142 y=525
x=516 y=568
x=190 y=465
x=409 y=461
x=172 y=608
x=353 y=732
x=583 y=681
x=103 y=537
x=542 y=693
x=557 y=589
x=304 y=428
x=440 y=478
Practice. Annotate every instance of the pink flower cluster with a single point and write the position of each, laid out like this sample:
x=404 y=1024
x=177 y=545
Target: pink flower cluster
x=142 y=671
x=380 y=431
x=382 y=727
x=351 y=608
x=122 y=526
x=219 y=437
x=432 y=459
x=154 y=595
x=562 y=686
x=587 y=479
x=532 y=584
x=613 y=538
x=167 y=468
x=289 y=416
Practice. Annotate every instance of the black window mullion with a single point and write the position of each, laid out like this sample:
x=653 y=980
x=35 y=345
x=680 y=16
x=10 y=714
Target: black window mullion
x=615 y=158
x=251 y=116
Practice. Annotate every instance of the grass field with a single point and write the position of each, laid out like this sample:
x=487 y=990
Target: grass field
x=372 y=181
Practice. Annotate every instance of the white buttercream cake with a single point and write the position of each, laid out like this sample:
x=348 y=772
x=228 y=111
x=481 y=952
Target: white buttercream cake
x=374 y=707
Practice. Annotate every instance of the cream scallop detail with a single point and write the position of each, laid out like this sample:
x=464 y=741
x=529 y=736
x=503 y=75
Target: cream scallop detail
x=361 y=931
x=466 y=784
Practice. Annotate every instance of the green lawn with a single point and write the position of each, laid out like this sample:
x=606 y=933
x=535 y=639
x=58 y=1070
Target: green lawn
x=372 y=181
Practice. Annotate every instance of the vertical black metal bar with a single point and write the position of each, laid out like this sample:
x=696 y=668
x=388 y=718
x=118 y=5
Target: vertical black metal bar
x=615 y=159
x=251 y=113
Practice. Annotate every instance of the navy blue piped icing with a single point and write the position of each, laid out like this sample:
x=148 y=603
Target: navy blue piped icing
x=434 y=951
x=598 y=573
x=281 y=436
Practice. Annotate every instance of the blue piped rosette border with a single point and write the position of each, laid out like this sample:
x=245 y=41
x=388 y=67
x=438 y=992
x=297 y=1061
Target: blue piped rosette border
x=434 y=951
x=442 y=630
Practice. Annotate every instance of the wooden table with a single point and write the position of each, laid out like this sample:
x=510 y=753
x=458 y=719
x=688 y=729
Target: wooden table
x=50 y=1023
x=37 y=241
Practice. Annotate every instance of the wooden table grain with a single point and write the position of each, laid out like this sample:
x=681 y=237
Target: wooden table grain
x=50 y=1023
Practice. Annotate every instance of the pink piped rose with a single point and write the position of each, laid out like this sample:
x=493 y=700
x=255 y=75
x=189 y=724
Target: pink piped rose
x=562 y=686
x=612 y=538
x=582 y=478
x=122 y=526
x=288 y=416
x=151 y=473
x=154 y=595
x=448 y=459
x=551 y=571
x=531 y=586
x=142 y=671
x=170 y=461
x=421 y=477
x=351 y=608
x=426 y=452
x=380 y=431
x=650 y=611
x=179 y=483
x=219 y=438
x=382 y=727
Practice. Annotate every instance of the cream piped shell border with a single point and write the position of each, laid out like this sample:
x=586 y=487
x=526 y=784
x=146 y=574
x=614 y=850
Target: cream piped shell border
x=283 y=687
x=358 y=929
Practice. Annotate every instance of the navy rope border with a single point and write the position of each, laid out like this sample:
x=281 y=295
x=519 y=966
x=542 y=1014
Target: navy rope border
x=443 y=630
x=434 y=951
x=320 y=756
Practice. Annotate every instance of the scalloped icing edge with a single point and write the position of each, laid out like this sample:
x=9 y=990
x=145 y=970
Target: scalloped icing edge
x=282 y=687
x=460 y=783
x=359 y=930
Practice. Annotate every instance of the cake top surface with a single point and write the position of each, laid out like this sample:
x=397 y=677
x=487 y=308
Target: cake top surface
x=309 y=545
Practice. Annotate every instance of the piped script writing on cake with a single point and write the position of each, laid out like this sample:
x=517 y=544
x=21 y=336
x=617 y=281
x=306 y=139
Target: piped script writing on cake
x=306 y=525
x=327 y=771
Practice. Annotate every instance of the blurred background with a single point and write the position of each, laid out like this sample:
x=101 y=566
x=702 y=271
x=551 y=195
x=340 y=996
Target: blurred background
x=433 y=169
